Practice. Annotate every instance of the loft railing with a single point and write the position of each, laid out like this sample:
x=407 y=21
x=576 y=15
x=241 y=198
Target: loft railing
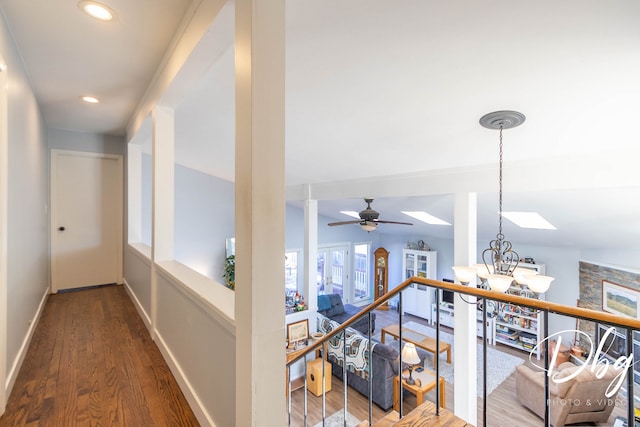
x=481 y=295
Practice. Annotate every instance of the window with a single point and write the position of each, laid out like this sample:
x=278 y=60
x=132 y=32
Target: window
x=291 y=272
x=362 y=289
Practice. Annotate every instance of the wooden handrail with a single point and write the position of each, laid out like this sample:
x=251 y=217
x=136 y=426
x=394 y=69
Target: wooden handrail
x=540 y=305
x=552 y=307
x=576 y=312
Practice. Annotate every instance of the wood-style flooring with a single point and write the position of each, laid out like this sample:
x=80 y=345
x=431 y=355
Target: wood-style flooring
x=503 y=409
x=92 y=362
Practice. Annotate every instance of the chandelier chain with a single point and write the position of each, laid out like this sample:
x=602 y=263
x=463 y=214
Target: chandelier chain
x=500 y=186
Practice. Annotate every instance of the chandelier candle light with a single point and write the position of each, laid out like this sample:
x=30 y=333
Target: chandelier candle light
x=500 y=266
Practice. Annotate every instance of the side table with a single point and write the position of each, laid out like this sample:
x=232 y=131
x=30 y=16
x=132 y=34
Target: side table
x=427 y=383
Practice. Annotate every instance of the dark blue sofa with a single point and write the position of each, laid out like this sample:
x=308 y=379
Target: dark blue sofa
x=331 y=306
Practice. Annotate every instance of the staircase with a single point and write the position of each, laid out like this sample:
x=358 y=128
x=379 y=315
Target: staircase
x=423 y=415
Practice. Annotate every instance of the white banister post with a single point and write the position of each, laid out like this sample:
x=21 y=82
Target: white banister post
x=163 y=135
x=311 y=256
x=260 y=213
x=465 y=342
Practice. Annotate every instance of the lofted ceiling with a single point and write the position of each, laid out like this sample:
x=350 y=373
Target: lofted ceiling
x=383 y=100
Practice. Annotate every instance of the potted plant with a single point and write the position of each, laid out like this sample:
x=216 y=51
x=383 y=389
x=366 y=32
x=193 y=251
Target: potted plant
x=230 y=272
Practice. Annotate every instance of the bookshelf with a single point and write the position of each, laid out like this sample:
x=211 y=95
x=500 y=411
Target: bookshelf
x=516 y=326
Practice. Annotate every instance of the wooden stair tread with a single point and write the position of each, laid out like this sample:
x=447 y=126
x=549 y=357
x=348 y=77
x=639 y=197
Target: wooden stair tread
x=425 y=415
x=389 y=420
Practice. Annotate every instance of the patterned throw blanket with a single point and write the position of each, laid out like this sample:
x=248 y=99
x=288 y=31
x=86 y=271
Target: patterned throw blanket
x=357 y=348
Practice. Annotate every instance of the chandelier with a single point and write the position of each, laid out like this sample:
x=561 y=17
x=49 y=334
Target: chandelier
x=500 y=260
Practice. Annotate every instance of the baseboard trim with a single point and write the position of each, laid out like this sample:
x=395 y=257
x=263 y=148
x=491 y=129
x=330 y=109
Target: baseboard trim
x=136 y=302
x=189 y=393
x=17 y=364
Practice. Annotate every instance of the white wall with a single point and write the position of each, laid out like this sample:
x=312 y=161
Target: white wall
x=82 y=141
x=137 y=268
x=28 y=198
x=203 y=218
x=200 y=344
x=623 y=259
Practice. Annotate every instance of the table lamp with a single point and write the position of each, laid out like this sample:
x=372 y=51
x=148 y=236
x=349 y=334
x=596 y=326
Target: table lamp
x=411 y=358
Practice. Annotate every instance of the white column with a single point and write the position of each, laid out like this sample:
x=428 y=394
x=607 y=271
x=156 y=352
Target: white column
x=311 y=257
x=260 y=213
x=465 y=343
x=134 y=193
x=162 y=197
x=4 y=190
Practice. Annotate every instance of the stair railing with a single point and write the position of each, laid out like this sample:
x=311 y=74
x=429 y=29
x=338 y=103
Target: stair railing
x=546 y=307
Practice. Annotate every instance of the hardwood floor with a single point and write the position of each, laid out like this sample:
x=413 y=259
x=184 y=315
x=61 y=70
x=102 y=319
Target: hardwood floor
x=92 y=363
x=503 y=409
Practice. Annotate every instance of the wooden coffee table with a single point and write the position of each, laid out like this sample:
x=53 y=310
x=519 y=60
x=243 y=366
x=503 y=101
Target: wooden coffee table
x=427 y=383
x=422 y=341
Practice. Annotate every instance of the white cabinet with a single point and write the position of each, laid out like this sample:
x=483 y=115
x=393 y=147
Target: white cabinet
x=417 y=299
x=447 y=318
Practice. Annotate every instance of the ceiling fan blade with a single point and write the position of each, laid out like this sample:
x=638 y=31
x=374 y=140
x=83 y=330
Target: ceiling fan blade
x=391 y=222
x=355 y=221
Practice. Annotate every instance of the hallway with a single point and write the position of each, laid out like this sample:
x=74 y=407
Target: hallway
x=92 y=363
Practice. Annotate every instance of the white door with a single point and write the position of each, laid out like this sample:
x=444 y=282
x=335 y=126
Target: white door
x=333 y=267
x=86 y=219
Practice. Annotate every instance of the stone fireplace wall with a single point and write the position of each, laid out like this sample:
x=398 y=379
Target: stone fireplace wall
x=591 y=277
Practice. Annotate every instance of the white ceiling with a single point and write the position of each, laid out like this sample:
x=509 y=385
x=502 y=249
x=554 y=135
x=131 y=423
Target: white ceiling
x=389 y=89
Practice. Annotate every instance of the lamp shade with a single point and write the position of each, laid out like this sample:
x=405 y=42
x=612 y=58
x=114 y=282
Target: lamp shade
x=499 y=282
x=520 y=274
x=368 y=226
x=483 y=271
x=538 y=283
x=464 y=274
x=410 y=355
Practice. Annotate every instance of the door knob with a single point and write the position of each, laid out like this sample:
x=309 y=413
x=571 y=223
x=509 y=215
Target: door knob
x=61 y=228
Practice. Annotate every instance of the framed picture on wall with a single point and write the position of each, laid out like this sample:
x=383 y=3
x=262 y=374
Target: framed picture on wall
x=620 y=300
x=298 y=331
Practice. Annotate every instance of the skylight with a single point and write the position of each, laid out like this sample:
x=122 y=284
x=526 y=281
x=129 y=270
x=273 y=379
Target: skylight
x=425 y=217
x=529 y=220
x=354 y=214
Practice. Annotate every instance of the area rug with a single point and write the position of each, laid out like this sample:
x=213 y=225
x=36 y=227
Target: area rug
x=337 y=420
x=499 y=364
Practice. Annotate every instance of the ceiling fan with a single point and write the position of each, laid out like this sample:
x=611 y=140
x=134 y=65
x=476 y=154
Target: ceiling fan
x=368 y=219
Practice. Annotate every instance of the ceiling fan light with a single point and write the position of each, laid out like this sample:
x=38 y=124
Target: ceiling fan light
x=368 y=226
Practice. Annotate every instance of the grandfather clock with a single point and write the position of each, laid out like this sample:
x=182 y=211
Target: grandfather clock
x=381 y=281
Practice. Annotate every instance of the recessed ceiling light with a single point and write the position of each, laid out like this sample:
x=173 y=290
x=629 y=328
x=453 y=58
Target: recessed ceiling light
x=354 y=214
x=90 y=99
x=425 y=217
x=529 y=220
x=97 y=10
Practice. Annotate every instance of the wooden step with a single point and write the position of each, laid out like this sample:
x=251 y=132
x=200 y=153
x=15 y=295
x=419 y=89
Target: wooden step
x=390 y=419
x=425 y=415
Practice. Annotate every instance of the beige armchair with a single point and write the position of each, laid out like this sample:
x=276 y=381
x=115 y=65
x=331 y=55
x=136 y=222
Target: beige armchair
x=581 y=399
